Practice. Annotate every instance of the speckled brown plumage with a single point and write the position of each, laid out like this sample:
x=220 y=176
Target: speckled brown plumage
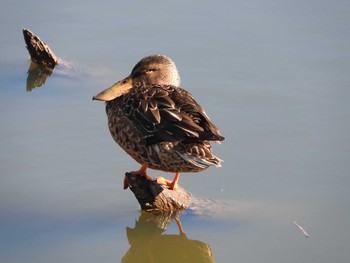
x=158 y=123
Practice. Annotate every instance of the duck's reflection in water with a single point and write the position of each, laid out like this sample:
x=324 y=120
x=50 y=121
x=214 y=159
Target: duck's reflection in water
x=149 y=243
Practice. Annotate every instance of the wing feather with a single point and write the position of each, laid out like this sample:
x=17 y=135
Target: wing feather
x=168 y=113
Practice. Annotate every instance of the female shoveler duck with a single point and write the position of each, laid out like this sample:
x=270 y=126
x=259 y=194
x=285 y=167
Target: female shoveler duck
x=158 y=123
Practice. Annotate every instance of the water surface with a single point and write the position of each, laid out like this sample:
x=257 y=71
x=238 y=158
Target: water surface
x=272 y=75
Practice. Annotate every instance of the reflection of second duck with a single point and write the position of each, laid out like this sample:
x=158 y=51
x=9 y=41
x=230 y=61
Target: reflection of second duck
x=149 y=244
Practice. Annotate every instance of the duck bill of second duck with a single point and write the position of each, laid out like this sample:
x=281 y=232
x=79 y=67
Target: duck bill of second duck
x=115 y=90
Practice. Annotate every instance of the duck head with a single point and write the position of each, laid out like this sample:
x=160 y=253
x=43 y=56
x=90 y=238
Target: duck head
x=155 y=69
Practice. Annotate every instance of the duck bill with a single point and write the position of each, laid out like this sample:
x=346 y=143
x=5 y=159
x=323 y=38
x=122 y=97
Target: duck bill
x=118 y=89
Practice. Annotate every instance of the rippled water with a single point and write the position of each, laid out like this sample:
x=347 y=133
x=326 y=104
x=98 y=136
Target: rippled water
x=273 y=75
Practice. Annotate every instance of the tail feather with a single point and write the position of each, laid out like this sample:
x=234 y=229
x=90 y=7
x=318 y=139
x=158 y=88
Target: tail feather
x=201 y=162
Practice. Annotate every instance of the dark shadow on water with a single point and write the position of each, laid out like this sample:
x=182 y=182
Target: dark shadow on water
x=149 y=243
x=37 y=75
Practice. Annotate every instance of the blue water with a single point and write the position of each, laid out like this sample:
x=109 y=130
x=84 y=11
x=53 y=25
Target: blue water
x=273 y=75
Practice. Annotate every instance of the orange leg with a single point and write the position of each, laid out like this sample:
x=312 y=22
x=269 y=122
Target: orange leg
x=142 y=171
x=170 y=184
x=160 y=180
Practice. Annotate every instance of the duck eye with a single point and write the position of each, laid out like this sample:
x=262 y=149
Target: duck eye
x=150 y=70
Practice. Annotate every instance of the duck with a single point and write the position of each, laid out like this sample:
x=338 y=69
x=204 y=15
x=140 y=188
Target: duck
x=158 y=123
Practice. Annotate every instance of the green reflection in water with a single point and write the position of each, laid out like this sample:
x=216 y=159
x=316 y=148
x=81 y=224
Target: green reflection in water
x=149 y=243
